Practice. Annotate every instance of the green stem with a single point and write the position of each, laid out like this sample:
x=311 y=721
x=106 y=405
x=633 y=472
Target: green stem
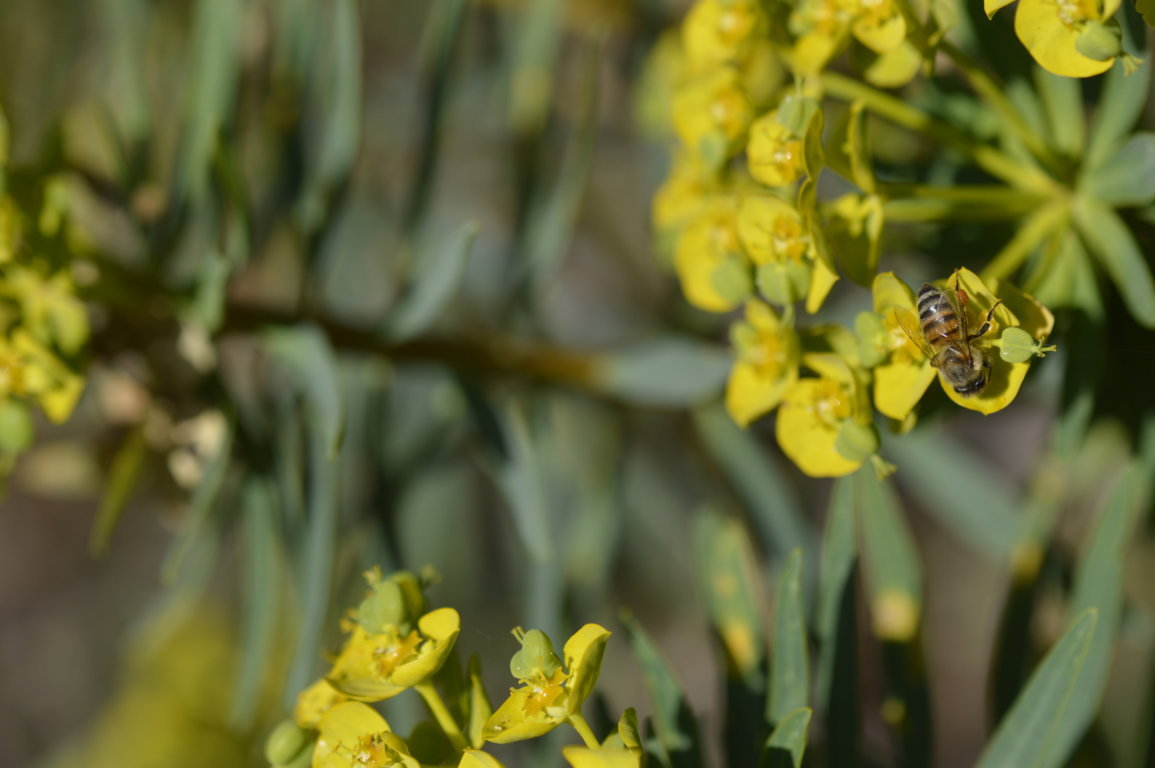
x=996 y=99
x=583 y=728
x=993 y=161
x=916 y=209
x=1034 y=228
x=441 y=713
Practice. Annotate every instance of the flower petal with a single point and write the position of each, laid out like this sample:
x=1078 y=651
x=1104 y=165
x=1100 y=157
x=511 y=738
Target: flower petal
x=1051 y=42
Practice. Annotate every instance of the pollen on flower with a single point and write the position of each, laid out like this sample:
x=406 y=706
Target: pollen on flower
x=543 y=692
x=390 y=655
x=1074 y=12
x=830 y=404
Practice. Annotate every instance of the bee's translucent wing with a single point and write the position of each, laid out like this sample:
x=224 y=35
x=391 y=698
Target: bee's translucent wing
x=910 y=326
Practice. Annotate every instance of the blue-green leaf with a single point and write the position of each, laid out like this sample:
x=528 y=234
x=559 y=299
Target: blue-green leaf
x=756 y=476
x=1120 y=105
x=1127 y=176
x=674 y=723
x=1027 y=736
x=521 y=482
x=305 y=352
x=893 y=573
x=839 y=553
x=1099 y=586
x=726 y=571
x=668 y=371
x=1063 y=100
x=787 y=744
x=789 y=687
x=985 y=517
x=1116 y=250
x=437 y=278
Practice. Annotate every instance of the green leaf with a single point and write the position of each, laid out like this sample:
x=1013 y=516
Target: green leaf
x=667 y=371
x=1127 y=177
x=122 y=479
x=789 y=687
x=758 y=479
x=1026 y=737
x=1146 y=9
x=836 y=680
x=261 y=595
x=1099 y=586
x=200 y=508
x=1063 y=100
x=893 y=573
x=726 y=570
x=674 y=723
x=438 y=276
x=1120 y=106
x=521 y=482
x=1115 y=249
x=305 y=352
x=786 y=745
x=214 y=72
x=985 y=517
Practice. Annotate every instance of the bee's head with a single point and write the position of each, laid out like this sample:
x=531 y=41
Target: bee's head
x=979 y=373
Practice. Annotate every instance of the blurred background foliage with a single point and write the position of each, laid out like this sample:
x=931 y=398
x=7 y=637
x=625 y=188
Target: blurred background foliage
x=372 y=283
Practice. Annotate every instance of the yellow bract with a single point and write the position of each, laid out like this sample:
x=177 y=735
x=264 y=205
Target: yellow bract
x=717 y=31
x=773 y=231
x=712 y=113
x=708 y=257
x=354 y=735
x=808 y=423
x=767 y=363
x=901 y=381
x=315 y=701
x=1051 y=32
x=773 y=152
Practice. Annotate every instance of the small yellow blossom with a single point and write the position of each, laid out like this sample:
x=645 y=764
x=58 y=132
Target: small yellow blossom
x=713 y=269
x=550 y=692
x=774 y=152
x=687 y=192
x=315 y=701
x=766 y=366
x=48 y=307
x=823 y=423
x=721 y=31
x=712 y=113
x=1073 y=38
x=354 y=735
x=777 y=239
x=901 y=375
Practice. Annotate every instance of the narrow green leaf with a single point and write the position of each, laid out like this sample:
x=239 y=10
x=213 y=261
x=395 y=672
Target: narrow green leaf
x=122 y=478
x=1099 y=586
x=836 y=681
x=985 y=517
x=1126 y=177
x=1026 y=737
x=552 y=222
x=1063 y=100
x=667 y=371
x=315 y=574
x=261 y=593
x=438 y=276
x=520 y=479
x=1116 y=250
x=200 y=507
x=305 y=352
x=772 y=502
x=674 y=723
x=789 y=687
x=786 y=745
x=726 y=571
x=1120 y=105
x=213 y=71
x=893 y=573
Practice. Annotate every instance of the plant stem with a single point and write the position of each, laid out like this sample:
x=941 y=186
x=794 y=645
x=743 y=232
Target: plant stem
x=990 y=92
x=583 y=728
x=1034 y=228
x=990 y=159
x=441 y=713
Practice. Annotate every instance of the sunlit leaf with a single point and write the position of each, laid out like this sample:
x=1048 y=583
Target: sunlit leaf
x=1126 y=177
x=667 y=371
x=1116 y=250
x=437 y=278
x=789 y=688
x=1120 y=105
x=893 y=573
x=726 y=570
x=786 y=745
x=1027 y=737
x=122 y=480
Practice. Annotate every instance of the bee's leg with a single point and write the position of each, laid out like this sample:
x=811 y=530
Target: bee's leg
x=986 y=322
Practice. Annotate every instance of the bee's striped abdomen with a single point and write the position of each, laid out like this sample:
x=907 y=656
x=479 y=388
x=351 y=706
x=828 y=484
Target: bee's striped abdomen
x=940 y=324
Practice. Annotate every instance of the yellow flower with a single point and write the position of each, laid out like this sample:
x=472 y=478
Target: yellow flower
x=379 y=665
x=686 y=193
x=712 y=113
x=767 y=364
x=315 y=701
x=49 y=309
x=549 y=692
x=29 y=369
x=901 y=374
x=1073 y=38
x=475 y=758
x=721 y=31
x=774 y=152
x=879 y=25
x=584 y=757
x=354 y=735
x=713 y=270
x=778 y=240
x=824 y=423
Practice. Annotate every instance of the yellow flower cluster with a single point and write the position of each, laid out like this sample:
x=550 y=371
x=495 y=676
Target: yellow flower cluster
x=43 y=328
x=395 y=644
x=1073 y=38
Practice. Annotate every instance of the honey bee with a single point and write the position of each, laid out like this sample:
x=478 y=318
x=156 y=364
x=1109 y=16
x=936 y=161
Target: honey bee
x=940 y=332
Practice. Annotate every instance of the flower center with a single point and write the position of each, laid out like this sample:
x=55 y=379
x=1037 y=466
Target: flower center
x=544 y=691
x=395 y=652
x=1075 y=12
x=787 y=239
